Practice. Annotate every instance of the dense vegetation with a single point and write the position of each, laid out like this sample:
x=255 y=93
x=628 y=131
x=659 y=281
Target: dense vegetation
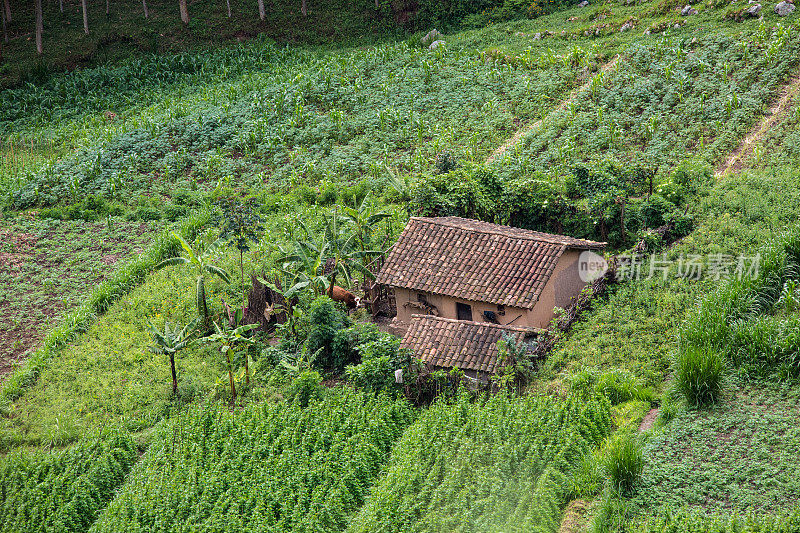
x=504 y=464
x=63 y=490
x=278 y=467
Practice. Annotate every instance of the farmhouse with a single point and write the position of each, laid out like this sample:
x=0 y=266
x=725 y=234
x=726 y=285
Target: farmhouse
x=476 y=271
x=470 y=346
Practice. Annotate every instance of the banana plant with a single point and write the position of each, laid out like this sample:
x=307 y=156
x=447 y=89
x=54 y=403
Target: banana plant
x=171 y=341
x=229 y=339
x=200 y=262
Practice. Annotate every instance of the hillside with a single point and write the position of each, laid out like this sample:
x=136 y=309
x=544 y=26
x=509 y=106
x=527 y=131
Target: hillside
x=144 y=193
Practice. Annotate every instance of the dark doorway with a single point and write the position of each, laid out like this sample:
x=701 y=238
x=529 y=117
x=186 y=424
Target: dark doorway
x=463 y=311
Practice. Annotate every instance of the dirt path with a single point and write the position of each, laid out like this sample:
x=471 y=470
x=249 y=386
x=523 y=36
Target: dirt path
x=520 y=133
x=738 y=158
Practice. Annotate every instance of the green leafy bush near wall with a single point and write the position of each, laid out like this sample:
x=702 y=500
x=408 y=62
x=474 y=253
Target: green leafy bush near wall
x=271 y=467
x=63 y=490
x=497 y=464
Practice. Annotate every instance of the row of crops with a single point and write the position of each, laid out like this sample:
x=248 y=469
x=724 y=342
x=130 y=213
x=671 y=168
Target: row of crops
x=348 y=460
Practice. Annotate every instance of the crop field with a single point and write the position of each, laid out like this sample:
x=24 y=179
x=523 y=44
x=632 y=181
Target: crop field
x=46 y=267
x=154 y=202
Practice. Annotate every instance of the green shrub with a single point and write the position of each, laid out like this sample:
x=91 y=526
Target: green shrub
x=326 y=319
x=623 y=463
x=698 y=375
x=305 y=387
x=380 y=358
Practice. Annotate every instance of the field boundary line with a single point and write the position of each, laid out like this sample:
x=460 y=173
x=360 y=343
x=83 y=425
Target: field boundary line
x=520 y=133
x=736 y=159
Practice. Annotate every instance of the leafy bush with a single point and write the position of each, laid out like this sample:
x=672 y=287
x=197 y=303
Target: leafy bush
x=496 y=464
x=698 y=375
x=624 y=462
x=693 y=522
x=327 y=318
x=305 y=387
x=63 y=490
x=379 y=360
x=270 y=467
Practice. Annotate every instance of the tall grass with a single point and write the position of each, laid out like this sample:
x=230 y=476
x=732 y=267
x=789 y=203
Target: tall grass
x=699 y=375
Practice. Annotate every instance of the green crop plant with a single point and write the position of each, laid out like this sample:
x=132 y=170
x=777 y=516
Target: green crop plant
x=200 y=262
x=623 y=462
x=276 y=467
x=229 y=338
x=496 y=464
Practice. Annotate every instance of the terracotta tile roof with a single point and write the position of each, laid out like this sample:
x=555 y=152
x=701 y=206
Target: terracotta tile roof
x=476 y=260
x=449 y=343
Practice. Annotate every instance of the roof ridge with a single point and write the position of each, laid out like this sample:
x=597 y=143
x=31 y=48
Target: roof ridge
x=540 y=236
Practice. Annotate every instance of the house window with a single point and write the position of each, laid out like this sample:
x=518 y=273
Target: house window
x=463 y=311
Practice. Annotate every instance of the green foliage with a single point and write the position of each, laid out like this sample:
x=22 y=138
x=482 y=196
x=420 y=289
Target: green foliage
x=688 y=522
x=305 y=388
x=63 y=490
x=92 y=208
x=496 y=464
x=744 y=319
x=624 y=462
x=171 y=341
x=738 y=456
x=326 y=318
x=380 y=357
x=699 y=374
x=276 y=467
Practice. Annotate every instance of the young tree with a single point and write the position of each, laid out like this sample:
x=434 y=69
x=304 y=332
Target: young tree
x=108 y=7
x=171 y=341
x=261 y=13
x=240 y=224
x=144 y=5
x=200 y=261
x=364 y=221
x=228 y=2
x=7 y=5
x=85 y=17
x=184 y=11
x=38 y=27
x=304 y=8
x=229 y=338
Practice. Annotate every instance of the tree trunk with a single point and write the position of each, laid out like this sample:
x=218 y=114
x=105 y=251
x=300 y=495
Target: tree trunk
x=184 y=11
x=144 y=5
x=261 y=13
x=7 y=4
x=229 y=7
x=85 y=17
x=304 y=8
x=246 y=366
x=174 y=374
x=376 y=5
x=230 y=376
x=38 y=27
x=108 y=7
x=61 y=5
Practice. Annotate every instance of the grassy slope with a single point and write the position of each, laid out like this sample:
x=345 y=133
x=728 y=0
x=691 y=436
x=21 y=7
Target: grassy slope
x=643 y=317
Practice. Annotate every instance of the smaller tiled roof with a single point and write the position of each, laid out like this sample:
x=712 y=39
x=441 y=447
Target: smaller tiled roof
x=476 y=260
x=448 y=343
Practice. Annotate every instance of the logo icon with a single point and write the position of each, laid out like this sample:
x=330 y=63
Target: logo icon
x=591 y=266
